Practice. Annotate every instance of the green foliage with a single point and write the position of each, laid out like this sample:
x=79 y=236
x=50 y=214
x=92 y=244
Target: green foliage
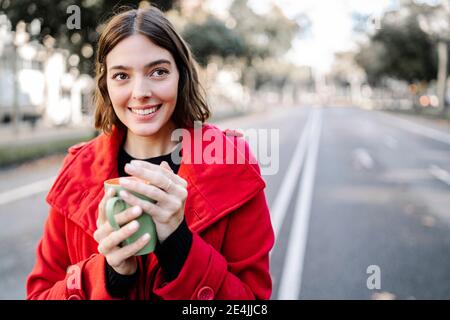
x=246 y=35
x=213 y=38
x=400 y=48
x=268 y=35
x=403 y=52
x=53 y=17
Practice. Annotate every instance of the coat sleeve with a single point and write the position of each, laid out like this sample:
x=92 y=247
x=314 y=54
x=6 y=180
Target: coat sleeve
x=239 y=272
x=54 y=277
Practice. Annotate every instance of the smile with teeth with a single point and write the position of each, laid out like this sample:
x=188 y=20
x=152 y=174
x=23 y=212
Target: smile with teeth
x=145 y=112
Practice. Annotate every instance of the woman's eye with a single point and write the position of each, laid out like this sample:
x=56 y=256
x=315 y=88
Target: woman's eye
x=120 y=76
x=160 y=73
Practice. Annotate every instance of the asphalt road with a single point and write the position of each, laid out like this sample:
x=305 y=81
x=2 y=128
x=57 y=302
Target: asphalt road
x=360 y=203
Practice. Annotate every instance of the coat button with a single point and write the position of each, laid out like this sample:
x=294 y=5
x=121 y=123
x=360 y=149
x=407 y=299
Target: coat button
x=74 y=297
x=205 y=293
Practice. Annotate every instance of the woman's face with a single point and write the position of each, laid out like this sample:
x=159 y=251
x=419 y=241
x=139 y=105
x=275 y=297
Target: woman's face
x=142 y=81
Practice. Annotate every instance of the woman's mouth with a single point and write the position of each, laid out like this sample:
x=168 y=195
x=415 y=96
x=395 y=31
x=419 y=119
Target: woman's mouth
x=145 y=113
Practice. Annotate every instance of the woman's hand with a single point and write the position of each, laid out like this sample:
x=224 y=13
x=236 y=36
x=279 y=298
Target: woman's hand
x=121 y=259
x=163 y=186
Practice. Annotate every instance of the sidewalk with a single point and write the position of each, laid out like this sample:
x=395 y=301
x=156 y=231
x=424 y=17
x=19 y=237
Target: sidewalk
x=442 y=123
x=29 y=143
x=26 y=135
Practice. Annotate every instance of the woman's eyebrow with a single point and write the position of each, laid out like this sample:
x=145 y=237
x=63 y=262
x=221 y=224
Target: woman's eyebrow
x=148 y=65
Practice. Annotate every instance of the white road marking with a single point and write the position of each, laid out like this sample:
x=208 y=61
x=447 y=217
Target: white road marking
x=26 y=191
x=284 y=195
x=418 y=128
x=440 y=174
x=362 y=159
x=391 y=142
x=291 y=280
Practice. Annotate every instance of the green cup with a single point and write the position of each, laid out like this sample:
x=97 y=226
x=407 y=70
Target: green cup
x=116 y=205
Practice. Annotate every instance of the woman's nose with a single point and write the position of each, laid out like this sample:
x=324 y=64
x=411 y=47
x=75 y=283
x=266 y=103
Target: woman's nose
x=141 y=90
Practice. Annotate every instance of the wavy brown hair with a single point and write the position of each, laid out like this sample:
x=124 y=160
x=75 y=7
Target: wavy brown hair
x=191 y=103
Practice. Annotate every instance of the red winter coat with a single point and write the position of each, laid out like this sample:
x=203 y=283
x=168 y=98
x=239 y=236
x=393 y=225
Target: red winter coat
x=226 y=210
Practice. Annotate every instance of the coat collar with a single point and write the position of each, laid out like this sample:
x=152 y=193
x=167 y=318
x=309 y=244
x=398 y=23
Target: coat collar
x=214 y=190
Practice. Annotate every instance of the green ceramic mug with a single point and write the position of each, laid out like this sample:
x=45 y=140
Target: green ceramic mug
x=116 y=205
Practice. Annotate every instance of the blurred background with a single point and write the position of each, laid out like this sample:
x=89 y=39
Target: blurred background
x=357 y=92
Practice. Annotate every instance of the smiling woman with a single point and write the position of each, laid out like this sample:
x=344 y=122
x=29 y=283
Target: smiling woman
x=207 y=245
x=143 y=85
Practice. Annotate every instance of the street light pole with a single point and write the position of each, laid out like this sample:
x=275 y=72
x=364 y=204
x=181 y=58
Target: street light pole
x=436 y=24
x=15 y=107
x=20 y=38
x=442 y=74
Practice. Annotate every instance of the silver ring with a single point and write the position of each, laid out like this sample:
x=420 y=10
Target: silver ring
x=168 y=187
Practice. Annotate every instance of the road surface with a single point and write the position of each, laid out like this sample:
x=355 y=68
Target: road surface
x=360 y=203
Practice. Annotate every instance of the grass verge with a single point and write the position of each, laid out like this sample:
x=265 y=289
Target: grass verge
x=18 y=154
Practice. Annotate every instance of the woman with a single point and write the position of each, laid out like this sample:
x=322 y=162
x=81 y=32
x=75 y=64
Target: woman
x=212 y=220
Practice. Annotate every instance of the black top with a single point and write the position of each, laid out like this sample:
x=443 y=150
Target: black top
x=171 y=254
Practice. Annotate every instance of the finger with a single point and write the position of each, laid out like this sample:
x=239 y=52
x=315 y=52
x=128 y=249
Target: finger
x=119 y=255
x=115 y=238
x=149 y=190
x=146 y=206
x=158 y=177
x=101 y=218
x=166 y=166
x=155 y=180
x=147 y=171
x=162 y=197
x=121 y=218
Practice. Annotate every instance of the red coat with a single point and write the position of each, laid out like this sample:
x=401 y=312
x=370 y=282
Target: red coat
x=226 y=210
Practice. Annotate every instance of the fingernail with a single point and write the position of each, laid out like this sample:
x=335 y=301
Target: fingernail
x=145 y=237
x=136 y=210
x=133 y=225
x=123 y=193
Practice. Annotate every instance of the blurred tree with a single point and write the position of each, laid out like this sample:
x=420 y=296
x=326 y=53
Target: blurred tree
x=400 y=49
x=51 y=17
x=268 y=35
x=213 y=38
x=437 y=25
x=245 y=39
x=265 y=36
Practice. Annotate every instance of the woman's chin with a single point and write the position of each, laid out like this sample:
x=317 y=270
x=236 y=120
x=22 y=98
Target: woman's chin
x=143 y=130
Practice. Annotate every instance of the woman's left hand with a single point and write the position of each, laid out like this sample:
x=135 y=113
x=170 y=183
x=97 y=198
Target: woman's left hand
x=163 y=186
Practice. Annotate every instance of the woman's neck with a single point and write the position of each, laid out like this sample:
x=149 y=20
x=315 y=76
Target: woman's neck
x=140 y=147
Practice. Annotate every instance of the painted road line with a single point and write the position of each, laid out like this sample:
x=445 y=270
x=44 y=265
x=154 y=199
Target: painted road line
x=281 y=203
x=291 y=278
x=362 y=159
x=391 y=142
x=26 y=191
x=418 y=128
x=440 y=174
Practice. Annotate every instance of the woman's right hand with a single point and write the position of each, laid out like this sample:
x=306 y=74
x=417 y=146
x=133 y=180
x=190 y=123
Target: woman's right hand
x=121 y=259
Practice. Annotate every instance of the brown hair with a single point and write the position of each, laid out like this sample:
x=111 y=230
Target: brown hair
x=151 y=22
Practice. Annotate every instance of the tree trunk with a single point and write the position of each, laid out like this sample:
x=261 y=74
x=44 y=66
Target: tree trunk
x=442 y=75
x=15 y=108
